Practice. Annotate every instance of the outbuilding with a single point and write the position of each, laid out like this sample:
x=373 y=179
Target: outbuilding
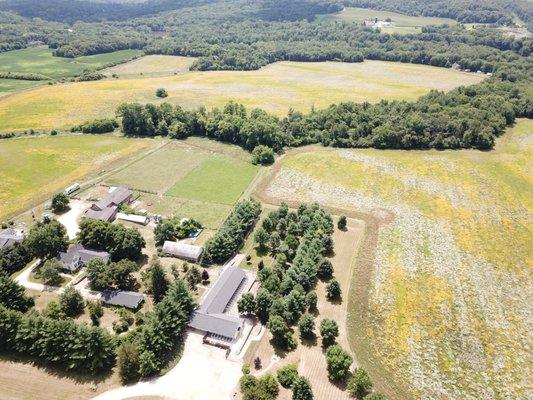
x=183 y=250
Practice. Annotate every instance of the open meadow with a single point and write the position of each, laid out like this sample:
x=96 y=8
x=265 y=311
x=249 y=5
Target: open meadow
x=151 y=66
x=194 y=178
x=401 y=23
x=39 y=60
x=441 y=293
x=274 y=88
x=32 y=169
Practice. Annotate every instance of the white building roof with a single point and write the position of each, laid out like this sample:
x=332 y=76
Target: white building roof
x=139 y=219
x=183 y=250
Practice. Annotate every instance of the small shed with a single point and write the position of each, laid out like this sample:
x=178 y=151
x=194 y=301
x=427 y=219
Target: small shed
x=138 y=219
x=122 y=298
x=183 y=250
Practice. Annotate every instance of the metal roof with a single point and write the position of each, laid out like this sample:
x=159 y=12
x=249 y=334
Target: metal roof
x=105 y=214
x=210 y=317
x=121 y=298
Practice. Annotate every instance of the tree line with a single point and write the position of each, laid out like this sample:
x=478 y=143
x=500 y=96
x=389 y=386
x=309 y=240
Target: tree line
x=466 y=117
x=232 y=233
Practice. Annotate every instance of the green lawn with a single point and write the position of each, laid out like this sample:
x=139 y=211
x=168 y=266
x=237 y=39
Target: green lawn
x=39 y=60
x=13 y=85
x=159 y=171
x=219 y=180
x=33 y=168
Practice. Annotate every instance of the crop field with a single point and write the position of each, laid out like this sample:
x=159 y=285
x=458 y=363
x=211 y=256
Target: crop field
x=401 y=23
x=445 y=312
x=190 y=178
x=32 y=169
x=39 y=60
x=151 y=66
x=274 y=88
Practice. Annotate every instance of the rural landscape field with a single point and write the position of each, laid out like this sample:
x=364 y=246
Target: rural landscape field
x=266 y=200
x=275 y=88
x=453 y=252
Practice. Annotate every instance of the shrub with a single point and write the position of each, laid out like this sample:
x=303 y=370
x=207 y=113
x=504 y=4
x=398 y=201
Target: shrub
x=263 y=155
x=341 y=223
x=287 y=375
x=128 y=362
x=375 y=396
x=306 y=325
x=301 y=389
x=103 y=125
x=329 y=330
x=338 y=363
x=71 y=302
x=333 y=290
x=161 y=92
x=360 y=383
x=60 y=202
x=96 y=311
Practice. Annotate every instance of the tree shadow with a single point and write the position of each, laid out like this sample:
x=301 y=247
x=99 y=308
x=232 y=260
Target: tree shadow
x=58 y=371
x=309 y=341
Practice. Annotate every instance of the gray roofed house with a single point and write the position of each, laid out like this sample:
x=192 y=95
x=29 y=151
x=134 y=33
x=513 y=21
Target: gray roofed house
x=106 y=208
x=122 y=298
x=9 y=237
x=211 y=316
x=78 y=256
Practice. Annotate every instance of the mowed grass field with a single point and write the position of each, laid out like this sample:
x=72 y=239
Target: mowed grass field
x=274 y=88
x=445 y=312
x=8 y=86
x=39 y=60
x=32 y=169
x=194 y=179
x=151 y=66
x=401 y=23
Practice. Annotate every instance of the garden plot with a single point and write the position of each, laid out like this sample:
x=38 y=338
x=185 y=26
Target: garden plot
x=446 y=311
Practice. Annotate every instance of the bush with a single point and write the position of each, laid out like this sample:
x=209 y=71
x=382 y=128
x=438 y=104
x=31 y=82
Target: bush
x=301 y=389
x=60 y=202
x=71 y=302
x=161 y=92
x=360 y=383
x=128 y=362
x=96 y=311
x=263 y=155
x=338 y=363
x=103 y=125
x=287 y=375
x=341 y=224
x=329 y=330
x=333 y=290
x=375 y=396
x=306 y=325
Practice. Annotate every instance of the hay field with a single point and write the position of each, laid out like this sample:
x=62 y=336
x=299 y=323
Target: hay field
x=32 y=169
x=151 y=66
x=401 y=23
x=192 y=178
x=39 y=60
x=446 y=312
x=8 y=86
x=274 y=88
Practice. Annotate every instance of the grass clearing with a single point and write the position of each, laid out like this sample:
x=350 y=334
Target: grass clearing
x=401 y=23
x=32 y=169
x=274 y=88
x=8 y=86
x=218 y=180
x=444 y=305
x=151 y=66
x=39 y=60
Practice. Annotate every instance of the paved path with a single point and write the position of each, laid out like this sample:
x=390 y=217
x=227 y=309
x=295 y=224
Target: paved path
x=203 y=373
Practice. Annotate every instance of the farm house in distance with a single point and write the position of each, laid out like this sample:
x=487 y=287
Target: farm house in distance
x=78 y=257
